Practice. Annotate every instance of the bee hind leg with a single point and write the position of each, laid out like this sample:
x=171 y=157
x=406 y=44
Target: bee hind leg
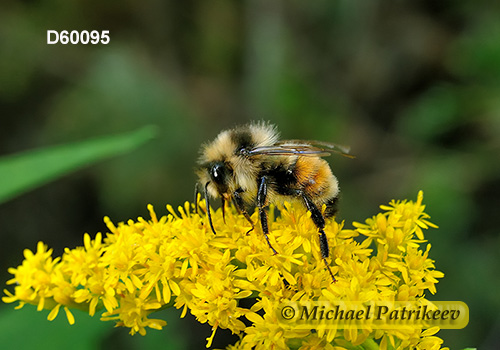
x=238 y=202
x=261 y=203
x=319 y=221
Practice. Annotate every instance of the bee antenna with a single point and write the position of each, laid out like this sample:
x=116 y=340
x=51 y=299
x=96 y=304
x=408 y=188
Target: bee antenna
x=208 y=208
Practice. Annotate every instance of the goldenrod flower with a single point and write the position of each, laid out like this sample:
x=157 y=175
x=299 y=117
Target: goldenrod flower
x=143 y=266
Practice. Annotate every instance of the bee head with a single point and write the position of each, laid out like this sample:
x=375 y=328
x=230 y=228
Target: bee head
x=219 y=176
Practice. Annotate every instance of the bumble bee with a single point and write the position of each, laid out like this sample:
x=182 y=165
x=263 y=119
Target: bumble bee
x=248 y=165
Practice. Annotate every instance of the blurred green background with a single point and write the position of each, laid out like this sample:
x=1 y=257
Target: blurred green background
x=412 y=87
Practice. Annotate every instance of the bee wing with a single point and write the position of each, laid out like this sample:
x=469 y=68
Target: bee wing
x=289 y=149
x=301 y=147
x=325 y=146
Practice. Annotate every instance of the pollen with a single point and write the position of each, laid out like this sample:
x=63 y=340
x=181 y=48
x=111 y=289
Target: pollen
x=176 y=261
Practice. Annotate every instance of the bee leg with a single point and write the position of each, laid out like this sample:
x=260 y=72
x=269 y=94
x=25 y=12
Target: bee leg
x=208 y=208
x=319 y=221
x=196 y=192
x=223 y=209
x=261 y=203
x=238 y=202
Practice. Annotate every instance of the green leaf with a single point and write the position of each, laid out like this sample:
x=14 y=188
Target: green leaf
x=22 y=172
x=29 y=329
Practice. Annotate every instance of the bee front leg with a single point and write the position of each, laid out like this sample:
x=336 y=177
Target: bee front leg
x=261 y=203
x=207 y=202
x=238 y=202
x=319 y=221
x=196 y=192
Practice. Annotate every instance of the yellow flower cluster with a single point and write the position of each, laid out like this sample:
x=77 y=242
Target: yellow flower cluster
x=146 y=265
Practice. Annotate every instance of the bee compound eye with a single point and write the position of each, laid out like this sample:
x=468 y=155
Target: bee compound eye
x=218 y=172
